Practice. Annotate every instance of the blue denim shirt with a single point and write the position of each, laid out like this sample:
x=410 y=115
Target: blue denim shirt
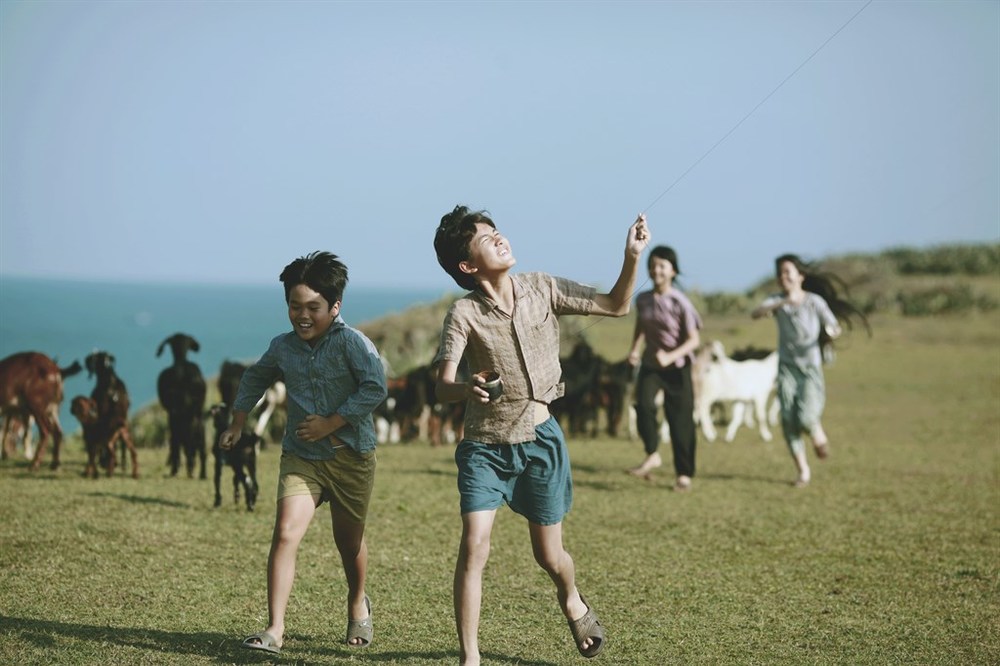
x=342 y=374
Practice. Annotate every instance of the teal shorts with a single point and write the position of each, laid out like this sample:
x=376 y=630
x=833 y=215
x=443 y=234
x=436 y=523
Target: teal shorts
x=533 y=478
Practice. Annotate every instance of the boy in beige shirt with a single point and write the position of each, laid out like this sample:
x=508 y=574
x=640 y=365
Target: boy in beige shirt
x=513 y=451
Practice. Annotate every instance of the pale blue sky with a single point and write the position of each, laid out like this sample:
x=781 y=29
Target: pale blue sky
x=216 y=141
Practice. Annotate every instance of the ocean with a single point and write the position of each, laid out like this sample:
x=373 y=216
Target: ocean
x=67 y=320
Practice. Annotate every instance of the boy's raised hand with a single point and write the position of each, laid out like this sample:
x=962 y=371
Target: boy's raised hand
x=638 y=236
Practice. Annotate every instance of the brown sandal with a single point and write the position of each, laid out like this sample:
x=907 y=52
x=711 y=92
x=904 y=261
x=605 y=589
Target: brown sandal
x=362 y=629
x=586 y=627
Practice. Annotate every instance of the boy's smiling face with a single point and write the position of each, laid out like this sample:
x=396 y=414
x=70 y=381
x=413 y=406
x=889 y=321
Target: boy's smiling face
x=310 y=313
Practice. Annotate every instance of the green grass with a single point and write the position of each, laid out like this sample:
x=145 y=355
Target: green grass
x=891 y=556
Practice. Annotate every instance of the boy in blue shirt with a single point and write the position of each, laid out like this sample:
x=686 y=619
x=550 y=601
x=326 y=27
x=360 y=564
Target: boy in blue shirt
x=335 y=379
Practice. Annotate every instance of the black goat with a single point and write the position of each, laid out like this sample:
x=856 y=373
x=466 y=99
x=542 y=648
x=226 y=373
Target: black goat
x=181 y=389
x=274 y=397
x=242 y=458
x=581 y=373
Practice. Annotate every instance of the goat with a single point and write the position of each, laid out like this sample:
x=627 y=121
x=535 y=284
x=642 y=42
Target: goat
x=100 y=445
x=273 y=397
x=16 y=430
x=181 y=389
x=748 y=381
x=242 y=458
x=412 y=411
x=581 y=374
x=31 y=387
x=112 y=403
x=616 y=388
x=229 y=383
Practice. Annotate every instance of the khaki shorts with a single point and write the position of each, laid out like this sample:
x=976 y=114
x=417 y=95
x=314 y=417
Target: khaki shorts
x=345 y=480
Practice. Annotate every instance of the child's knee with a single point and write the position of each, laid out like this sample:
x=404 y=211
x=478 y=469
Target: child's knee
x=475 y=550
x=809 y=420
x=349 y=543
x=552 y=560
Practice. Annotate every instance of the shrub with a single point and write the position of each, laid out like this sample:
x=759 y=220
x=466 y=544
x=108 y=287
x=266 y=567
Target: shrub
x=947 y=260
x=938 y=300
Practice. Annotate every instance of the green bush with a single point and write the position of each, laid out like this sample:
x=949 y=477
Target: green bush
x=723 y=303
x=947 y=260
x=938 y=300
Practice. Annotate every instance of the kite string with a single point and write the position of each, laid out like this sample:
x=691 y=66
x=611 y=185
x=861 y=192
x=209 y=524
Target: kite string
x=759 y=104
x=733 y=129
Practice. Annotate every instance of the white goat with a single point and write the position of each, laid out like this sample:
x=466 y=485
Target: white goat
x=742 y=382
x=273 y=397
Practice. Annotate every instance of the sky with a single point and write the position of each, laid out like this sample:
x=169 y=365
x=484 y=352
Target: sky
x=214 y=142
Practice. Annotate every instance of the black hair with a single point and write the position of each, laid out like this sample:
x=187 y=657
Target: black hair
x=452 y=238
x=322 y=272
x=663 y=252
x=829 y=287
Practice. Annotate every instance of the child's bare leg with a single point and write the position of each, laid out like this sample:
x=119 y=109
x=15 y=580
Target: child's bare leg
x=350 y=539
x=291 y=521
x=473 y=552
x=798 y=449
x=547 y=546
x=820 y=440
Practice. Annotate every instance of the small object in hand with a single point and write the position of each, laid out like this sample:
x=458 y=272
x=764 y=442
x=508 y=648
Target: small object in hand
x=491 y=383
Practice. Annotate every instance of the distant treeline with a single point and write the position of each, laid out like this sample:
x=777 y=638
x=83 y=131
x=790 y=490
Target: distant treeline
x=911 y=282
x=947 y=279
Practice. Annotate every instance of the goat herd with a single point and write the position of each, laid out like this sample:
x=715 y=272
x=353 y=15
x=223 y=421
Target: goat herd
x=598 y=393
x=31 y=391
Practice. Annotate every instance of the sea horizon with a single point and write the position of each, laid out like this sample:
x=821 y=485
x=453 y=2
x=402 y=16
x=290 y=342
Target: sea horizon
x=68 y=319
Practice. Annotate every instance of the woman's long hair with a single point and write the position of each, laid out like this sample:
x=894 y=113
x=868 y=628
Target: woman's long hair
x=829 y=287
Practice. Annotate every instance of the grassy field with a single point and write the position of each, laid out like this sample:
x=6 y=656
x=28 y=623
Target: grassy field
x=891 y=556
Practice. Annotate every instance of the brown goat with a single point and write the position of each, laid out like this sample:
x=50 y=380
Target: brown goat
x=112 y=403
x=31 y=386
x=94 y=437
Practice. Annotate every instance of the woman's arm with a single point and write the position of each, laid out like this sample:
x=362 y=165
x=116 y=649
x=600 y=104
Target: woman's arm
x=668 y=358
x=638 y=338
x=768 y=307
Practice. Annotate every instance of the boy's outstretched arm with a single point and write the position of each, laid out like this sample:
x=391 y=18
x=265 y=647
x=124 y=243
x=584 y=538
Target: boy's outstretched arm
x=616 y=303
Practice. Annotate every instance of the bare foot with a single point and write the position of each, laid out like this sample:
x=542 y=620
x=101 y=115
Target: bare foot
x=804 y=472
x=652 y=461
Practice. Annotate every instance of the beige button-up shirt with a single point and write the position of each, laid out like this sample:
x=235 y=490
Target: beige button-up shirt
x=523 y=348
